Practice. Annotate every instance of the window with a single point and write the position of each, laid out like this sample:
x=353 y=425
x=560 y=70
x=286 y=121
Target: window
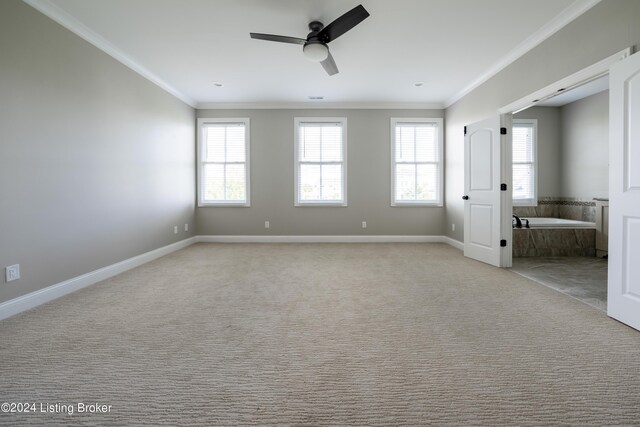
x=524 y=162
x=320 y=161
x=416 y=162
x=223 y=162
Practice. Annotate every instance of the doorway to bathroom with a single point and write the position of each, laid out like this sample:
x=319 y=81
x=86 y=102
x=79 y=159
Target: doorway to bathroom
x=623 y=164
x=561 y=192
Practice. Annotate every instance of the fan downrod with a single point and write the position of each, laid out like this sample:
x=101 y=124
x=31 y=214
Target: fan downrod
x=316 y=26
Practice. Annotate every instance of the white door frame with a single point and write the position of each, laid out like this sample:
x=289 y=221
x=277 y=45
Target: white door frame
x=592 y=72
x=506 y=197
x=579 y=78
x=599 y=69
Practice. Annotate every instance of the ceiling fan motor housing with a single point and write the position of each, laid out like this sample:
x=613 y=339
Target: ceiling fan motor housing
x=315 y=49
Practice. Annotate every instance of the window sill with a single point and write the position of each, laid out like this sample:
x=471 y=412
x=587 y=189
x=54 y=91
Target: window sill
x=416 y=205
x=527 y=204
x=320 y=205
x=224 y=205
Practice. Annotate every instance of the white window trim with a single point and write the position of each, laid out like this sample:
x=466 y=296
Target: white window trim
x=439 y=122
x=296 y=163
x=200 y=155
x=534 y=200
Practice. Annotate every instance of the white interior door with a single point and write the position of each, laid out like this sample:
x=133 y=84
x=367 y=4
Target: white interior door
x=624 y=192
x=487 y=212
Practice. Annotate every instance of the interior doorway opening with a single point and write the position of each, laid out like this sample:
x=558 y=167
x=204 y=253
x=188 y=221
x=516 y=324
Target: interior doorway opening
x=560 y=184
x=561 y=192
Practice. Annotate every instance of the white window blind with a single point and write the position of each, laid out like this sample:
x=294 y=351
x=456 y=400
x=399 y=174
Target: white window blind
x=416 y=161
x=224 y=169
x=524 y=162
x=320 y=161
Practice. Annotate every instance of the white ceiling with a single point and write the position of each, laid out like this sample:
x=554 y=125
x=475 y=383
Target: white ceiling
x=186 y=45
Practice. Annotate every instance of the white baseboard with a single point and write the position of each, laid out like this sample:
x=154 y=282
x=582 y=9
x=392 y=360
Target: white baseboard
x=453 y=242
x=324 y=239
x=34 y=299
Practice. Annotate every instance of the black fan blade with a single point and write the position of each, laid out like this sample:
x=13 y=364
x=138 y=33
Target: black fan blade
x=329 y=65
x=343 y=24
x=274 y=38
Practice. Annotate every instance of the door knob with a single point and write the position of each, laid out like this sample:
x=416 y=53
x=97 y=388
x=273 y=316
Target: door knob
x=465 y=197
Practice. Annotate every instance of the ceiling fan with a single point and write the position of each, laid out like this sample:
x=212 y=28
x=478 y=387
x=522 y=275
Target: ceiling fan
x=315 y=45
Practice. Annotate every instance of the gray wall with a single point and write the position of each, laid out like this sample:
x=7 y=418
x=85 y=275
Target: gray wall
x=549 y=138
x=96 y=163
x=272 y=181
x=609 y=27
x=585 y=147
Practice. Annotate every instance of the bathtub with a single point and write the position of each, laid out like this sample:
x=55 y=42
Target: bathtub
x=554 y=237
x=538 y=222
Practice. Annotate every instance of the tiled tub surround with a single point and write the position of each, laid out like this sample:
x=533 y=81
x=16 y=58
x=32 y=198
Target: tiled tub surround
x=560 y=207
x=535 y=242
x=551 y=242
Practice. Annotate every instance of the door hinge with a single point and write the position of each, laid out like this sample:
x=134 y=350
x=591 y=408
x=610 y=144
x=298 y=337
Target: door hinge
x=503 y=243
x=503 y=187
x=503 y=131
x=465 y=130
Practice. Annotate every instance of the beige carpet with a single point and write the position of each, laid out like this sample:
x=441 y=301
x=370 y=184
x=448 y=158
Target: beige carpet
x=321 y=334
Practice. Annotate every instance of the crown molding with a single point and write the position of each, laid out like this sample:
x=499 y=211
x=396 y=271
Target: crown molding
x=54 y=12
x=318 y=106
x=48 y=8
x=573 y=11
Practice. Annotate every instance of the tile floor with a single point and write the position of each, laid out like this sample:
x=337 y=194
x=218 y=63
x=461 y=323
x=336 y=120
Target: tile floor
x=584 y=278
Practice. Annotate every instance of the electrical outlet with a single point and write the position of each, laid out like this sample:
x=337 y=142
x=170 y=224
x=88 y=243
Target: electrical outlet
x=12 y=273
x=186 y=227
x=364 y=224
x=453 y=227
x=267 y=224
x=175 y=229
